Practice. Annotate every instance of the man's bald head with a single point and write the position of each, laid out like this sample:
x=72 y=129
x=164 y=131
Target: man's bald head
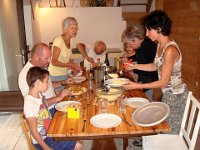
x=38 y=49
x=41 y=55
x=99 y=47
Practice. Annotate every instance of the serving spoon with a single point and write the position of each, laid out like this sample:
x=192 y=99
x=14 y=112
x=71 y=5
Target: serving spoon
x=106 y=87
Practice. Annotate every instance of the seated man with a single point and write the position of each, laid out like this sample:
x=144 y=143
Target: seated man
x=40 y=56
x=93 y=54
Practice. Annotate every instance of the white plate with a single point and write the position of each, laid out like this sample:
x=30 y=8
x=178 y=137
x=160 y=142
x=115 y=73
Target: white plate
x=151 y=114
x=136 y=102
x=117 y=82
x=79 y=79
x=61 y=106
x=105 y=120
x=77 y=75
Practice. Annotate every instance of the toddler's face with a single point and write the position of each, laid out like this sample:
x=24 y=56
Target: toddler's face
x=128 y=48
x=135 y=43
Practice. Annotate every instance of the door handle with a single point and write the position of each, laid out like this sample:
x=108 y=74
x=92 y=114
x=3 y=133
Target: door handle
x=18 y=55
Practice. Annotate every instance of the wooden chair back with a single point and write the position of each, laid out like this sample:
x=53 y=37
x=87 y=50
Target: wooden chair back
x=27 y=133
x=191 y=121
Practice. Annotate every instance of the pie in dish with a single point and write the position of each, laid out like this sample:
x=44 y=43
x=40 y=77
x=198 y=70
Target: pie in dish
x=110 y=95
x=113 y=75
x=77 y=90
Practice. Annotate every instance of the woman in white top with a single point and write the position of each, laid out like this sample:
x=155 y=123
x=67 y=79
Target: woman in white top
x=61 y=52
x=168 y=62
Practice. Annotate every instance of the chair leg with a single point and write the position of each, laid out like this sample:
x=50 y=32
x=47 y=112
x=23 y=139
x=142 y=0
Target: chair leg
x=125 y=143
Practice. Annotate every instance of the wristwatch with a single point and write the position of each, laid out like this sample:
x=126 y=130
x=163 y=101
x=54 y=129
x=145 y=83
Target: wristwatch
x=63 y=84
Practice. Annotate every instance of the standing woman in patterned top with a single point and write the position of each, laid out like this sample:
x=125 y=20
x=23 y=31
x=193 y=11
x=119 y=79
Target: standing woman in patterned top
x=168 y=62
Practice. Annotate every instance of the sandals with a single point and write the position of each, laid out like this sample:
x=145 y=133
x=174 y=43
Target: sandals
x=137 y=142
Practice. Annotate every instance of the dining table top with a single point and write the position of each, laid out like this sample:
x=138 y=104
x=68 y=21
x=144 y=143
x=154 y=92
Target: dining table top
x=81 y=128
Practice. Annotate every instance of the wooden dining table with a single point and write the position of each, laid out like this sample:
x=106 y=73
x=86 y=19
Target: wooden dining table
x=63 y=128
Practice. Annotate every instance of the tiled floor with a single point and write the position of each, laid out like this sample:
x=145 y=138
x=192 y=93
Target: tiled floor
x=12 y=137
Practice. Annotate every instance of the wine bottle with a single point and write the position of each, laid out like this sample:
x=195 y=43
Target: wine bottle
x=106 y=60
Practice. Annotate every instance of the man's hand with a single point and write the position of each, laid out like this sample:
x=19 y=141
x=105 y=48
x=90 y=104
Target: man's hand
x=89 y=59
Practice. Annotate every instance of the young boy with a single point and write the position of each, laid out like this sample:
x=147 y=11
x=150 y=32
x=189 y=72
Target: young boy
x=37 y=114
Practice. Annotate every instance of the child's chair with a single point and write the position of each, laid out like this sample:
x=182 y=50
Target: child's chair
x=27 y=133
x=188 y=134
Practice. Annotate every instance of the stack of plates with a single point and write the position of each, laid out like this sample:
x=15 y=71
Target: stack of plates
x=151 y=114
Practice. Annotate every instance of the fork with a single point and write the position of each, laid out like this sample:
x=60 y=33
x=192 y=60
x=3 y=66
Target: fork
x=62 y=114
x=126 y=122
x=84 y=122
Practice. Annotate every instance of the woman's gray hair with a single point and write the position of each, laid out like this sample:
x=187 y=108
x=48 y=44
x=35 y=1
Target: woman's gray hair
x=68 y=21
x=130 y=33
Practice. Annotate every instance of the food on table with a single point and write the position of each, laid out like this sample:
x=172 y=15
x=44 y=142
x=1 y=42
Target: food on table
x=113 y=75
x=110 y=95
x=77 y=90
x=117 y=82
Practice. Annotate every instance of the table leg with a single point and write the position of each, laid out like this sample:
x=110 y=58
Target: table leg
x=125 y=143
x=104 y=144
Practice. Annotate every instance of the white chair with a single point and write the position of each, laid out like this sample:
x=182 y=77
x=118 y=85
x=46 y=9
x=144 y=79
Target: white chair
x=188 y=134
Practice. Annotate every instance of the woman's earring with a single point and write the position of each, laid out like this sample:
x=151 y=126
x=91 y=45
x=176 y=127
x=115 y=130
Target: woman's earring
x=159 y=30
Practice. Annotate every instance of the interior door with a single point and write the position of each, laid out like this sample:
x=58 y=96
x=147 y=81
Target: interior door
x=11 y=44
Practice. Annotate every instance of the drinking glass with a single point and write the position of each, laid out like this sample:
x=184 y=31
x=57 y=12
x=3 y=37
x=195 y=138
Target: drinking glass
x=103 y=105
x=121 y=104
x=90 y=84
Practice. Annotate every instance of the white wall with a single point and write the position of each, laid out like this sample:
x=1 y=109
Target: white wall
x=36 y=24
x=3 y=77
x=28 y=25
x=95 y=23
